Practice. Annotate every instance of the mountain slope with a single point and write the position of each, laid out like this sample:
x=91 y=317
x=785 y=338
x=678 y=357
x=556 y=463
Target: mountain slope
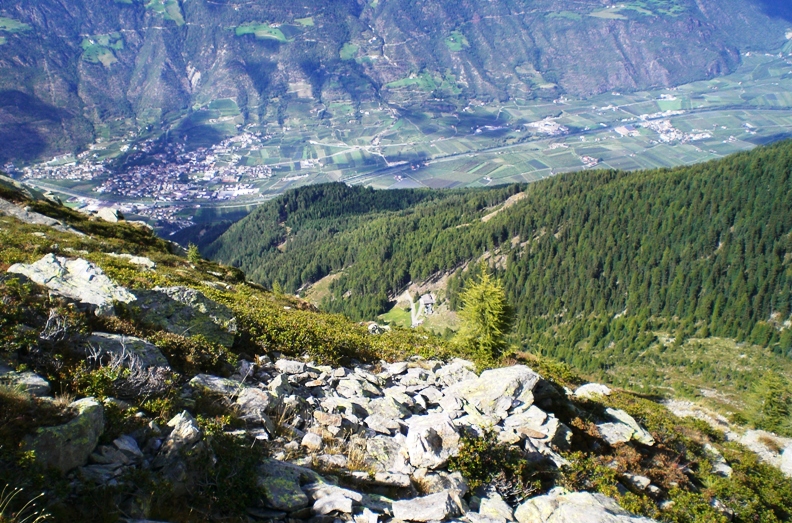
x=594 y=263
x=95 y=68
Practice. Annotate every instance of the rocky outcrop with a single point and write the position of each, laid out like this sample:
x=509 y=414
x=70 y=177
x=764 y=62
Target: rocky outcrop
x=65 y=447
x=435 y=507
x=77 y=279
x=622 y=429
x=185 y=311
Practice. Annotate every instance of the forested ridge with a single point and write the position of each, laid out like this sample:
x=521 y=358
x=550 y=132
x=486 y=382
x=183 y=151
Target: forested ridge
x=599 y=259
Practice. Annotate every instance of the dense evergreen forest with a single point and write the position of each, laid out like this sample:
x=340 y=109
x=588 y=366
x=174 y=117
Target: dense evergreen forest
x=593 y=259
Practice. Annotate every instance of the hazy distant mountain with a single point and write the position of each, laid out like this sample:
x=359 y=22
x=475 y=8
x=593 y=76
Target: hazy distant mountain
x=71 y=71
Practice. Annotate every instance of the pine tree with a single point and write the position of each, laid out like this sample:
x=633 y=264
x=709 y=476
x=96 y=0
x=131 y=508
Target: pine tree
x=486 y=318
x=193 y=255
x=774 y=409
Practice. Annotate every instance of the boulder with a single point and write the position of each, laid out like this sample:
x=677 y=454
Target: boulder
x=280 y=483
x=435 y=507
x=206 y=383
x=431 y=440
x=253 y=404
x=456 y=371
x=109 y=214
x=68 y=446
x=497 y=391
x=312 y=441
x=188 y=312
x=388 y=454
x=290 y=366
x=496 y=509
x=578 y=507
x=622 y=429
x=78 y=279
x=144 y=353
x=30 y=382
x=140 y=261
x=592 y=390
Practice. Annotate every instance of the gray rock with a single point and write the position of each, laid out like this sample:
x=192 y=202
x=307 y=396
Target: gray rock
x=623 y=426
x=68 y=446
x=185 y=311
x=592 y=390
x=456 y=371
x=496 y=509
x=317 y=491
x=431 y=440
x=388 y=454
x=206 y=383
x=79 y=280
x=786 y=461
x=185 y=434
x=576 y=507
x=312 y=441
x=144 y=353
x=109 y=214
x=140 y=261
x=253 y=405
x=128 y=446
x=394 y=369
x=497 y=391
x=333 y=503
x=615 y=433
x=280 y=387
x=28 y=216
x=434 y=482
x=719 y=464
x=392 y=480
x=290 y=366
x=435 y=507
x=29 y=382
x=637 y=482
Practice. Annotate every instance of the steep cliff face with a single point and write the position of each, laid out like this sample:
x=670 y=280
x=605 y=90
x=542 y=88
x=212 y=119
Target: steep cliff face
x=71 y=71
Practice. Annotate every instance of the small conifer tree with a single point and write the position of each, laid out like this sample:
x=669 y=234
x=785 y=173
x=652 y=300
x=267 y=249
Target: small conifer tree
x=193 y=255
x=486 y=318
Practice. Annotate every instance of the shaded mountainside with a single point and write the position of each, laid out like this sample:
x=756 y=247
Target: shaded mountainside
x=139 y=384
x=89 y=68
x=594 y=263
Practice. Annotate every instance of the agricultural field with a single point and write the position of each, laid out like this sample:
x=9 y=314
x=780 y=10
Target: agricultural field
x=101 y=48
x=168 y=9
x=9 y=26
x=368 y=142
x=264 y=31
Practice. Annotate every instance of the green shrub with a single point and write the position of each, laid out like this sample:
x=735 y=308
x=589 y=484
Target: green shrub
x=485 y=462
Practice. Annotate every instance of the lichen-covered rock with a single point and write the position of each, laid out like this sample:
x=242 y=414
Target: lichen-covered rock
x=253 y=404
x=185 y=311
x=68 y=446
x=144 y=353
x=388 y=454
x=496 y=509
x=280 y=482
x=435 y=507
x=431 y=440
x=77 y=279
x=577 y=507
x=206 y=383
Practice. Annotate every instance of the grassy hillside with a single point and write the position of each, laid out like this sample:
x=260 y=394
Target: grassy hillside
x=595 y=264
